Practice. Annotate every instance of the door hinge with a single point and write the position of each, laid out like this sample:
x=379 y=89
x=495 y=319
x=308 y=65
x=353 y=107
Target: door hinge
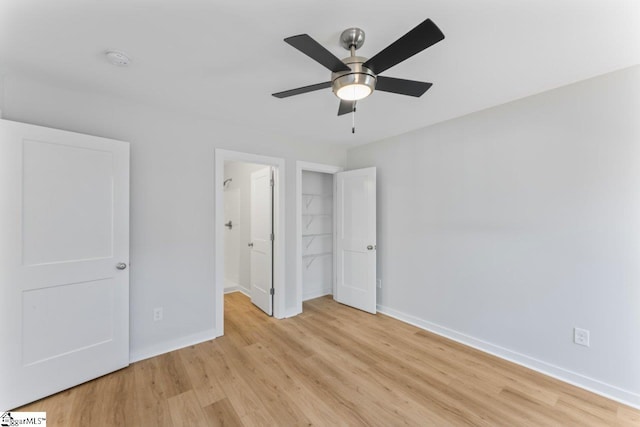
x=271 y=182
x=272 y=237
x=271 y=291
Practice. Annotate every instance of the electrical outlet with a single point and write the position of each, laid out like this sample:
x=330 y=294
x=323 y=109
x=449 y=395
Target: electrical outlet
x=379 y=283
x=157 y=314
x=581 y=336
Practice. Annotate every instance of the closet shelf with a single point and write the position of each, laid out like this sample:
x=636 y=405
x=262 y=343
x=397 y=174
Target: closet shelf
x=311 y=197
x=312 y=238
x=313 y=257
x=317 y=255
x=311 y=217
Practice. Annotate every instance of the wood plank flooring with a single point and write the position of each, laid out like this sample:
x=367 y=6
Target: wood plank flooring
x=331 y=366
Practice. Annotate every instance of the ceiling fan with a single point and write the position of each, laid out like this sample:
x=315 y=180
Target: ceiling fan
x=356 y=77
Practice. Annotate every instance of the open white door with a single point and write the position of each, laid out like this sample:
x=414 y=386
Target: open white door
x=64 y=249
x=356 y=239
x=262 y=239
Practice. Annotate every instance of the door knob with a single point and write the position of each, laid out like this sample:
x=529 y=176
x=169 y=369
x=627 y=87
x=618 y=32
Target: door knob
x=250 y=245
x=121 y=266
x=370 y=247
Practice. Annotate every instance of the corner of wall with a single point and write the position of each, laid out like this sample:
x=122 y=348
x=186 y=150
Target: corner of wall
x=157 y=349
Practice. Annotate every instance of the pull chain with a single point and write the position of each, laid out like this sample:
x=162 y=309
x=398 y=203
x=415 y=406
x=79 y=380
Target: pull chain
x=353 y=119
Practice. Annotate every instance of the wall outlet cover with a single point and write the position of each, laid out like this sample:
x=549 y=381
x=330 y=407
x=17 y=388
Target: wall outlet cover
x=581 y=337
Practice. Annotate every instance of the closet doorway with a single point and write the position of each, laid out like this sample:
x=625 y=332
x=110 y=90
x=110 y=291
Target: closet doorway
x=336 y=242
x=249 y=226
x=315 y=211
x=317 y=234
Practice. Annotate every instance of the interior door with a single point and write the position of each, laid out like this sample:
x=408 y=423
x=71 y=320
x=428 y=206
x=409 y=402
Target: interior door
x=356 y=239
x=64 y=249
x=262 y=239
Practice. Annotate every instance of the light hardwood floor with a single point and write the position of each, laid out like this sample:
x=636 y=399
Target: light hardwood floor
x=330 y=366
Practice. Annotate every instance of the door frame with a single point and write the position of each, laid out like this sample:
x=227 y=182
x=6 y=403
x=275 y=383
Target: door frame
x=309 y=167
x=278 y=164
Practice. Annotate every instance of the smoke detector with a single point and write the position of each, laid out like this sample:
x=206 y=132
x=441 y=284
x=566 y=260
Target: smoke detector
x=117 y=57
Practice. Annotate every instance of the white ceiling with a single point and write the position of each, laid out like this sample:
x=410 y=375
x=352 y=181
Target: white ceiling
x=224 y=59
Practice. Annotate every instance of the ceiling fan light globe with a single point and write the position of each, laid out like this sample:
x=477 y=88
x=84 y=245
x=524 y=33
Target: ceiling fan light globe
x=353 y=92
x=354 y=86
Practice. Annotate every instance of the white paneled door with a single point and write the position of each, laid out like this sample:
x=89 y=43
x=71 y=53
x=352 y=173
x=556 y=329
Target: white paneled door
x=64 y=250
x=356 y=239
x=262 y=239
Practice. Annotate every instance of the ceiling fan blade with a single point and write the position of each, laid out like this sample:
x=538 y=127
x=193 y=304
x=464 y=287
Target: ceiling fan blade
x=346 y=107
x=402 y=86
x=421 y=37
x=301 y=90
x=305 y=44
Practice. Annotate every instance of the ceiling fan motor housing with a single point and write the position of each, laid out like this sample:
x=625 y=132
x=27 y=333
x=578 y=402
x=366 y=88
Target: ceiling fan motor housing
x=359 y=75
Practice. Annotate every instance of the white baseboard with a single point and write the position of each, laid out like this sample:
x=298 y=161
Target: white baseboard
x=167 y=346
x=238 y=288
x=607 y=390
x=292 y=312
x=316 y=294
x=230 y=284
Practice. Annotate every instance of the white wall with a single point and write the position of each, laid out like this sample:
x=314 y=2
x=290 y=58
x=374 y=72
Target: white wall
x=508 y=227
x=237 y=253
x=1 y=95
x=172 y=198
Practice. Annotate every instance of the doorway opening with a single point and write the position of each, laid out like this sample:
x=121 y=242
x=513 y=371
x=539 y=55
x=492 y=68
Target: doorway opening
x=249 y=225
x=317 y=235
x=248 y=234
x=315 y=223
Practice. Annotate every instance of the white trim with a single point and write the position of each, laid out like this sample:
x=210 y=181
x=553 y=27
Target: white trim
x=243 y=291
x=176 y=344
x=292 y=312
x=311 y=167
x=607 y=390
x=228 y=284
x=317 y=294
x=222 y=156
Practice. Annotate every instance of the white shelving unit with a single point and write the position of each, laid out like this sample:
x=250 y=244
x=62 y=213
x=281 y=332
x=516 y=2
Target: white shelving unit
x=317 y=234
